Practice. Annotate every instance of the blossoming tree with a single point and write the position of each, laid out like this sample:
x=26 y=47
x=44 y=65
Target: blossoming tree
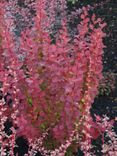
x=48 y=85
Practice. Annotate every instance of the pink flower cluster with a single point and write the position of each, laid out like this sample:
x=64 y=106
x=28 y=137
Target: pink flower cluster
x=53 y=87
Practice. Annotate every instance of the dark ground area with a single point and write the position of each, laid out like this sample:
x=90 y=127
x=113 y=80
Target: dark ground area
x=104 y=103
